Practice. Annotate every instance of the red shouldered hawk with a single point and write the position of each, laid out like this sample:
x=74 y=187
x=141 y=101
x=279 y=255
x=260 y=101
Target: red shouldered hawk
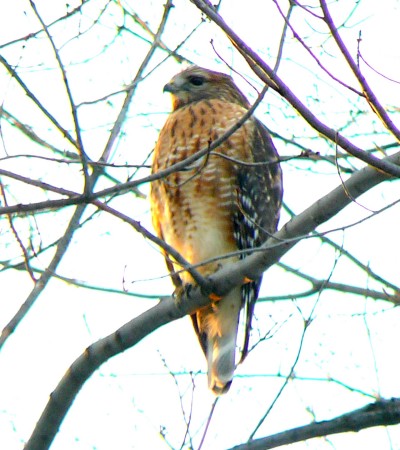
x=216 y=205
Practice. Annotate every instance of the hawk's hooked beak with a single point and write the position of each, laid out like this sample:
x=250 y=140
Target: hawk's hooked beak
x=170 y=87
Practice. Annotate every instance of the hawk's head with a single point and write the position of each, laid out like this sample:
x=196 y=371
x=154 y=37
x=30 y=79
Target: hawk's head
x=195 y=84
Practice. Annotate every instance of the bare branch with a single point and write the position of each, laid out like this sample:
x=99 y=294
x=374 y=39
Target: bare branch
x=132 y=89
x=267 y=75
x=36 y=33
x=11 y=70
x=309 y=51
x=367 y=269
x=167 y=248
x=381 y=413
x=29 y=132
x=17 y=238
x=306 y=324
x=318 y=285
x=192 y=299
x=82 y=154
x=372 y=100
x=80 y=201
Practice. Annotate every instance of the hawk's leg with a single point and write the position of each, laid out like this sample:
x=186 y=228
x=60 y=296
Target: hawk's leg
x=181 y=292
x=185 y=290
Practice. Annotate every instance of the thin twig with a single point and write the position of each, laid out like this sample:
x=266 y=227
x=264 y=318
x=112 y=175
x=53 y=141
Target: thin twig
x=306 y=324
x=186 y=266
x=309 y=51
x=317 y=285
x=348 y=255
x=17 y=238
x=372 y=99
x=78 y=135
x=12 y=71
x=38 y=32
x=210 y=415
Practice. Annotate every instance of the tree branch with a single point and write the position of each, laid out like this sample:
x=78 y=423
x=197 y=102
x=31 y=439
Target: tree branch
x=13 y=73
x=380 y=413
x=267 y=75
x=318 y=285
x=309 y=51
x=82 y=202
x=192 y=299
x=123 y=187
x=369 y=94
x=299 y=227
x=74 y=112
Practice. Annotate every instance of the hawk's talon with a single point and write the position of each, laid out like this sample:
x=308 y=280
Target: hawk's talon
x=182 y=291
x=185 y=291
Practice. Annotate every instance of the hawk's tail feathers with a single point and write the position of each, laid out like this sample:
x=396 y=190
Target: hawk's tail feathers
x=221 y=362
x=218 y=326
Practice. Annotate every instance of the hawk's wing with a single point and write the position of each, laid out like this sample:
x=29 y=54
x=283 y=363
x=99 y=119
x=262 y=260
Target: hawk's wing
x=259 y=198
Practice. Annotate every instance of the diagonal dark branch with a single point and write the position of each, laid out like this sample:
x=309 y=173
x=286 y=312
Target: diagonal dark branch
x=199 y=279
x=267 y=75
x=37 y=183
x=381 y=413
x=69 y=14
x=16 y=236
x=30 y=134
x=369 y=94
x=13 y=73
x=310 y=52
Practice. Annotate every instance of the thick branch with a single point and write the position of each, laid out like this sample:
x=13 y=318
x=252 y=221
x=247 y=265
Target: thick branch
x=192 y=299
x=380 y=413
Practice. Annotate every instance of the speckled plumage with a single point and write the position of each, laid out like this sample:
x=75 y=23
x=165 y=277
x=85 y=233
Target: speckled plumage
x=215 y=206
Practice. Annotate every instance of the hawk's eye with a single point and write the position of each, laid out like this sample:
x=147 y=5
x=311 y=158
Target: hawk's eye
x=196 y=80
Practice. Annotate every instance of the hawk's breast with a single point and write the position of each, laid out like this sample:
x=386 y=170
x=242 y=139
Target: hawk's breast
x=193 y=208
